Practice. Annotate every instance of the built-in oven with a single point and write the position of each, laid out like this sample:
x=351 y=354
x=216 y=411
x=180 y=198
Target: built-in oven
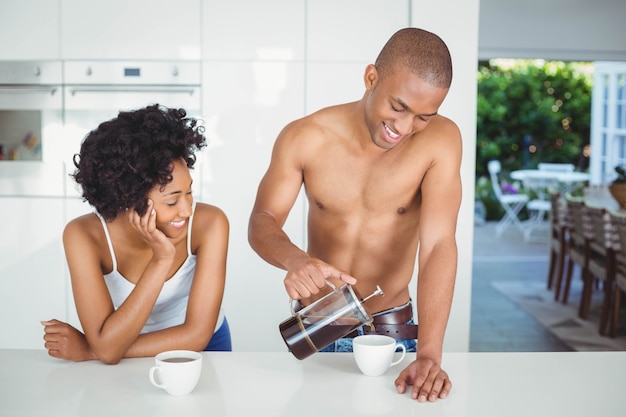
x=31 y=108
x=96 y=91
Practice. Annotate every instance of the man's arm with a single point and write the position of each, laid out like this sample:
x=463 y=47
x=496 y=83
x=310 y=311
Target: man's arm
x=441 y=199
x=276 y=196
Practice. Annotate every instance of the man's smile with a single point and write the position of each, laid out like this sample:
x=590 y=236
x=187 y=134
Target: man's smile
x=391 y=135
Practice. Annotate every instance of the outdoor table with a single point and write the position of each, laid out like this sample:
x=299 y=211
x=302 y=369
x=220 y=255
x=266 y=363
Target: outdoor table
x=568 y=181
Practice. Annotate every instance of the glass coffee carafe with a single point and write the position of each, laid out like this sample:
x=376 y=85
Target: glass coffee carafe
x=326 y=320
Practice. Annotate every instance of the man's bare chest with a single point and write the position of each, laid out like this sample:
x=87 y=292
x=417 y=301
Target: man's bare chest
x=373 y=186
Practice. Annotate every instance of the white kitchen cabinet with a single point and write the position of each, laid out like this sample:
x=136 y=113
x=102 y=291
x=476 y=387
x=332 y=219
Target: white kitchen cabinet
x=138 y=29
x=246 y=104
x=330 y=83
x=32 y=279
x=29 y=30
x=352 y=30
x=253 y=30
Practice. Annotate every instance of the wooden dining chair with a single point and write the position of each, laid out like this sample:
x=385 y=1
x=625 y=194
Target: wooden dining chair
x=600 y=263
x=558 y=238
x=576 y=247
x=617 y=222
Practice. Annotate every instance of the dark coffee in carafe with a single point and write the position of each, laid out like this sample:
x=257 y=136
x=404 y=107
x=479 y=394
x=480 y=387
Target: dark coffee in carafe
x=328 y=319
x=303 y=339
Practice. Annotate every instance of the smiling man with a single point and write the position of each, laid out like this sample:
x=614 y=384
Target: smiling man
x=382 y=178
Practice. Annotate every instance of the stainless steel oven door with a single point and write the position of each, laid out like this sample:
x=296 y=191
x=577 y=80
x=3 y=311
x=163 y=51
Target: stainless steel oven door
x=31 y=108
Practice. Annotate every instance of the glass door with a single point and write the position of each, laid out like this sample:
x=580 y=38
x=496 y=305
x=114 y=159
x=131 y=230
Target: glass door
x=608 y=121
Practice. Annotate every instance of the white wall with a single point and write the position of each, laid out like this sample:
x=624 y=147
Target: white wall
x=265 y=64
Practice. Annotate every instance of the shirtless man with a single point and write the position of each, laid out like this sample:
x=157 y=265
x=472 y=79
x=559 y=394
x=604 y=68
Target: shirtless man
x=382 y=179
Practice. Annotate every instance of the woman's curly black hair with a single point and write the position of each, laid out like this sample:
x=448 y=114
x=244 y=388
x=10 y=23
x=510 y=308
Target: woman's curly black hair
x=124 y=158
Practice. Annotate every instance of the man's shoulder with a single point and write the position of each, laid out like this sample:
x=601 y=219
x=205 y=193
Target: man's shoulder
x=445 y=124
x=333 y=114
x=442 y=131
x=321 y=123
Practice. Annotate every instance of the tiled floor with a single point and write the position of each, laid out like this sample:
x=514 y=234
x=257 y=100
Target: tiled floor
x=497 y=323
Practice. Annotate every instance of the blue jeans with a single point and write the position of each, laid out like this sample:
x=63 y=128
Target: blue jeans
x=345 y=344
x=221 y=339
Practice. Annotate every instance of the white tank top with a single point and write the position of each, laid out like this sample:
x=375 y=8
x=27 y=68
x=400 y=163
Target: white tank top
x=170 y=307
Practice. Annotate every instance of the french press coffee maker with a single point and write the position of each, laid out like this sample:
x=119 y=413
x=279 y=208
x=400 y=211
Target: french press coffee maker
x=326 y=320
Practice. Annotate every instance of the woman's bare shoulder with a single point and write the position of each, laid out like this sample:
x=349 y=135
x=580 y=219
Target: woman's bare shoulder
x=206 y=215
x=210 y=225
x=83 y=231
x=83 y=224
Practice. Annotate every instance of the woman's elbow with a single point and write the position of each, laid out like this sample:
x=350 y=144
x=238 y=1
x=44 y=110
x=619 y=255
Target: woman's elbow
x=199 y=344
x=110 y=359
x=108 y=356
x=199 y=339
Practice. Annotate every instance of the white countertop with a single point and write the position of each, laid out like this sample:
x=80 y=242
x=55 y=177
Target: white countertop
x=326 y=384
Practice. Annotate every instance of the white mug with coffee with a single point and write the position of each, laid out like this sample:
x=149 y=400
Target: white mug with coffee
x=373 y=353
x=176 y=371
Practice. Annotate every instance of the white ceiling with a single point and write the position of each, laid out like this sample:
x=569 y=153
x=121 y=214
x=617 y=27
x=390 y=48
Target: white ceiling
x=553 y=29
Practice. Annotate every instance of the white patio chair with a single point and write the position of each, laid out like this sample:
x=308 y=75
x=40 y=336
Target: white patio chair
x=512 y=203
x=539 y=188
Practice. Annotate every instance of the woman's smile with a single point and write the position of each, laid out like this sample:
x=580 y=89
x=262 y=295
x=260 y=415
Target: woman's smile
x=178 y=225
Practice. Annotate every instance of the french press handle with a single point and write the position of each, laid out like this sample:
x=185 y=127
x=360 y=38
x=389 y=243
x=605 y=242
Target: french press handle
x=292 y=304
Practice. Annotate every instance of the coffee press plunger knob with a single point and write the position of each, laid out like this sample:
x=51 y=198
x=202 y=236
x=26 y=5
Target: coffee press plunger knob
x=378 y=291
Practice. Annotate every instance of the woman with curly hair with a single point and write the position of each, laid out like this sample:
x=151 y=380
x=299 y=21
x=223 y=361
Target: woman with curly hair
x=148 y=267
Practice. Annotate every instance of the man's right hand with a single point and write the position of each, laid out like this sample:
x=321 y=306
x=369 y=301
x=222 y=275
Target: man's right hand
x=306 y=277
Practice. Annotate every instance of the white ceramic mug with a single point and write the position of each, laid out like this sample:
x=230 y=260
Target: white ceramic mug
x=176 y=371
x=373 y=353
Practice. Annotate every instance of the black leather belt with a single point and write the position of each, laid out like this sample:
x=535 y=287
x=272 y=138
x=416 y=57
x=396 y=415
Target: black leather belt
x=393 y=324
